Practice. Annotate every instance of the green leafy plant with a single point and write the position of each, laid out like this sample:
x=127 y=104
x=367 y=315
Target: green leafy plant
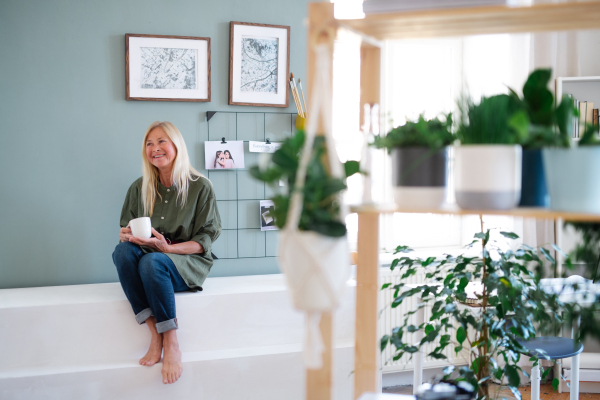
x=511 y=305
x=434 y=134
x=497 y=119
x=548 y=125
x=320 y=211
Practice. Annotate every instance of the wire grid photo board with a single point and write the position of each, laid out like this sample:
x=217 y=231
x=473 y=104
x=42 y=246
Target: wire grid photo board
x=238 y=193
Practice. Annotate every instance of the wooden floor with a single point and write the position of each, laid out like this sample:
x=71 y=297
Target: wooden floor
x=547 y=393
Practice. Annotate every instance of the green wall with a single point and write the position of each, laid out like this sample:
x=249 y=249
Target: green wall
x=70 y=143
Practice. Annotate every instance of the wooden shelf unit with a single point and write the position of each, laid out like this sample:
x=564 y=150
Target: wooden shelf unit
x=374 y=29
x=523 y=212
x=477 y=21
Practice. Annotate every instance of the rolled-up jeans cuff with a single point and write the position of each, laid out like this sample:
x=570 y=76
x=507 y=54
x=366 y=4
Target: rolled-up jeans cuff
x=143 y=315
x=164 y=326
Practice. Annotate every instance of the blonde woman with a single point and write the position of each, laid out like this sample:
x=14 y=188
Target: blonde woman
x=185 y=222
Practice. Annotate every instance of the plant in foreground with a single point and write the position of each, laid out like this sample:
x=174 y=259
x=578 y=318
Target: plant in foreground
x=512 y=306
x=320 y=211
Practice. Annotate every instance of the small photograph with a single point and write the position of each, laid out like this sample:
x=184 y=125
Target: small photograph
x=224 y=155
x=267 y=218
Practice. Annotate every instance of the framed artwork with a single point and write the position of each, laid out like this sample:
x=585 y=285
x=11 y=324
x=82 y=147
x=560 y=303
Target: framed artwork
x=167 y=68
x=259 y=64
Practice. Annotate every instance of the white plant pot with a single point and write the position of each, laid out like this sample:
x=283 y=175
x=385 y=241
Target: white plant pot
x=419 y=198
x=488 y=176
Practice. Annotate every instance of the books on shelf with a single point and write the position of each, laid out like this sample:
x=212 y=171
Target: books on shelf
x=386 y=6
x=588 y=115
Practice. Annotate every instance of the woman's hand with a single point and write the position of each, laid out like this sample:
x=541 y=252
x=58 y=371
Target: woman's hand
x=125 y=234
x=158 y=242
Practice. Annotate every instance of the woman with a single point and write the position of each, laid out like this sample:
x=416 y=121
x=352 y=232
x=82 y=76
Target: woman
x=182 y=207
x=228 y=160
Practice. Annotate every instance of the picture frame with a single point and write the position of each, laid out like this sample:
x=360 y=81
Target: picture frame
x=259 y=64
x=187 y=78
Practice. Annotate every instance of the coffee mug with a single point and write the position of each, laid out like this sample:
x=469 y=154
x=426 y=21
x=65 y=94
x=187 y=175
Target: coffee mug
x=141 y=227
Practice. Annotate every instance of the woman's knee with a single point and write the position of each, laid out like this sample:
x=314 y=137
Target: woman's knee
x=125 y=253
x=152 y=266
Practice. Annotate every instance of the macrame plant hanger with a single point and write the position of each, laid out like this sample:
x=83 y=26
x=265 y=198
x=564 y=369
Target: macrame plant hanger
x=316 y=266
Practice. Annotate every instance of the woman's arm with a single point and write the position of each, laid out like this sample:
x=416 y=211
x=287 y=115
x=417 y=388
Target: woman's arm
x=159 y=243
x=190 y=247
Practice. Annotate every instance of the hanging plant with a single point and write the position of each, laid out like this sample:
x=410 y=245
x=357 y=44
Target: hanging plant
x=321 y=206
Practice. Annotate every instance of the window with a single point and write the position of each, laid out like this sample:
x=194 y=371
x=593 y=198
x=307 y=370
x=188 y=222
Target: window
x=420 y=76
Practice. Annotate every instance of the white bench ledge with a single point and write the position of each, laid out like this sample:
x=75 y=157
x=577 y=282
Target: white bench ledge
x=72 y=294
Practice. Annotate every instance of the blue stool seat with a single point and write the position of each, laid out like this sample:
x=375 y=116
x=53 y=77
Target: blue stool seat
x=555 y=347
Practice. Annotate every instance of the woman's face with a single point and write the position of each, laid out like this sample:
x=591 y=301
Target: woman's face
x=160 y=150
x=227 y=155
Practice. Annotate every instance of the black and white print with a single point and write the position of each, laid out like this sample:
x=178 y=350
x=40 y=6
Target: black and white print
x=267 y=216
x=167 y=68
x=259 y=64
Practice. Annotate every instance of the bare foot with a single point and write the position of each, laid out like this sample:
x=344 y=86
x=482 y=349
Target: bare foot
x=156 y=345
x=171 y=370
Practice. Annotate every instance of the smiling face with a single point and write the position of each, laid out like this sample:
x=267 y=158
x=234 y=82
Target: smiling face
x=160 y=150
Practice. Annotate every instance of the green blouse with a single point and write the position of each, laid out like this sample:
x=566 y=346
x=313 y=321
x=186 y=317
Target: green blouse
x=197 y=221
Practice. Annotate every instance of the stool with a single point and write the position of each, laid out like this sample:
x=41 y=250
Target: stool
x=555 y=348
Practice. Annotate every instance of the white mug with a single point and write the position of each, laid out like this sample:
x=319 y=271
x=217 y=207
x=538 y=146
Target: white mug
x=141 y=227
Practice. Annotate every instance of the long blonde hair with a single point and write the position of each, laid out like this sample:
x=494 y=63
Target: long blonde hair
x=183 y=172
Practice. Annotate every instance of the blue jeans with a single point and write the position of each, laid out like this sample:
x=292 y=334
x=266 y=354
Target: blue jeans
x=149 y=282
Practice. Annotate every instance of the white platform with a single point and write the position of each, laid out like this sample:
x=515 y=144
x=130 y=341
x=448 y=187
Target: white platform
x=240 y=338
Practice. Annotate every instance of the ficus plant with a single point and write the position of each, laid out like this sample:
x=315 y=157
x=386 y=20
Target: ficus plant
x=512 y=307
x=320 y=211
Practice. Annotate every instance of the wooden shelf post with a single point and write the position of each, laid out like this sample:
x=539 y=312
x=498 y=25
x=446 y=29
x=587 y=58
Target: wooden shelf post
x=366 y=350
x=321 y=28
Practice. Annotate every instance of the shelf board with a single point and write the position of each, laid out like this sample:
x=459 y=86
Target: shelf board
x=538 y=213
x=478 y=21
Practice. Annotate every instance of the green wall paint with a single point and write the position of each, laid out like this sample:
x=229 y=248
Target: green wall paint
x=70 y=141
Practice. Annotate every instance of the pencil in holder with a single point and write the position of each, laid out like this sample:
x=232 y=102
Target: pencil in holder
x=300 y=121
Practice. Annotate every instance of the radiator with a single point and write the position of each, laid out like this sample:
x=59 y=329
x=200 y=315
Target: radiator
x=392 y=317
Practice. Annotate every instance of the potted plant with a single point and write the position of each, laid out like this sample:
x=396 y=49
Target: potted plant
x=549 y=126
x=488 y=159
x=571 y=172
x=419 y=151
x=510 y=306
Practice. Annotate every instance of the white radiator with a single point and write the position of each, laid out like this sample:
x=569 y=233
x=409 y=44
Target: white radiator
x=393 y=317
